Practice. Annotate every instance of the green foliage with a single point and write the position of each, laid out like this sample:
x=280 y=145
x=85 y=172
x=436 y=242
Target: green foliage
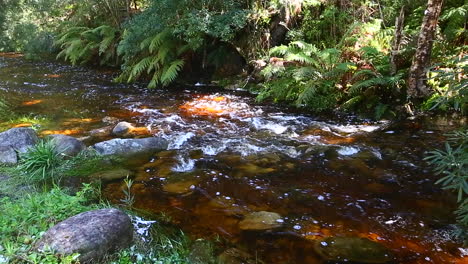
x=81 y=44
x=452 y=163
x=5 y=110
x=450 y=85
x=166 y=245
x=304 y=75
x=41 y=163
x=24 y=219
x=160 y=57
x=374 y=88
x=154 y=46
x=454 y=23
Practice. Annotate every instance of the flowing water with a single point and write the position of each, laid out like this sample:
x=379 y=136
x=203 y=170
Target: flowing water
x=229 y=156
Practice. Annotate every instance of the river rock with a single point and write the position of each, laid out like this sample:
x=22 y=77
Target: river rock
x=130 y=147
x=180 y=187
x=111 y=175
x=8 y=155
x=236 y=256
x=66 y=145
x=352 y=249
x=92 y=234
x=110 y=120
x=20 y=139
x=101 y=132
x=122 y=129
x=261 y=221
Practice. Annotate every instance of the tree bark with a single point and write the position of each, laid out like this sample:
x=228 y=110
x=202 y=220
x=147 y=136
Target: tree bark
x=417 y=82
x=396 y=46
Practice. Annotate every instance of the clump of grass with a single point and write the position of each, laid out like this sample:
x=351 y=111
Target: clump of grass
x=166 y=245
x=41 y=164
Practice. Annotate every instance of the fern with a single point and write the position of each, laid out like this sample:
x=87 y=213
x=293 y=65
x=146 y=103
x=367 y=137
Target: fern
x=309 y=81
x=81 y=44
x=373 y=87
x=159 y=57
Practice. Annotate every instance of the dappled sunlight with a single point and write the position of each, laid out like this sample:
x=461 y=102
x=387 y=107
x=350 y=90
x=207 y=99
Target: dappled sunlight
x=78 y=121
x=32 y=102
x=67 y=132
x=11 y=55
x=53 y=75
x=215 y=106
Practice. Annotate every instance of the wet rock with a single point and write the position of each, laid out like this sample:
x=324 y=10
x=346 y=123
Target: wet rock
x=101 y=132
x=130 y=147
x=112 y=175
x=8 y=155
x=261 y=221
x=110 y=120
x=92 y=234
x=66 y=145
x=353 y=249
x=20 y=139
x=182 y=187
x=226 y=205
x=201 y=253
x=122 y=129
x=236 y=256
x=250 y=169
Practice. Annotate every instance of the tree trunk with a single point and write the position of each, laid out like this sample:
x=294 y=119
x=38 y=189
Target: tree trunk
x=399 y=25
x=417 y=82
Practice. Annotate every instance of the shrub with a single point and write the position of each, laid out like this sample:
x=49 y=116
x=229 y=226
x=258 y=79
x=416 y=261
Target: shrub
x=452 y=163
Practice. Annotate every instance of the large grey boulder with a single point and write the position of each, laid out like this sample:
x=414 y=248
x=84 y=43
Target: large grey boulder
x=129 y=147
x=92 y=234
x=20 y=139
x=8 y=155
x=66 y=145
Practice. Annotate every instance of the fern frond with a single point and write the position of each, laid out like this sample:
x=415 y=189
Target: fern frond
x=170 y=74
x=138 y=68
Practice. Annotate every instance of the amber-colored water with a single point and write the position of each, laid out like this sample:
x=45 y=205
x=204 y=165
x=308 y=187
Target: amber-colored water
x=229 y=156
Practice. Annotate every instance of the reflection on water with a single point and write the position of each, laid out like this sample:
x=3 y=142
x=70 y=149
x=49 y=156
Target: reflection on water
x=335 y=179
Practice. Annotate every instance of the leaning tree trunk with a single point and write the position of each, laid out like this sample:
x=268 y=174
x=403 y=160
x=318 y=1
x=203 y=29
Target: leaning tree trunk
x=417 y=82
x=397 y=39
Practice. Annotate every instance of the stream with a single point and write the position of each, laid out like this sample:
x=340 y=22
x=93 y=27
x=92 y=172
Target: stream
x=229 y=156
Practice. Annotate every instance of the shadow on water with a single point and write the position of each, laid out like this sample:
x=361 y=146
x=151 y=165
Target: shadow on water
x=344 y=180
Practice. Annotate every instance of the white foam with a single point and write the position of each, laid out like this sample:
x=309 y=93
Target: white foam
x=348 y=151
x=184 y=165
x=141 y=226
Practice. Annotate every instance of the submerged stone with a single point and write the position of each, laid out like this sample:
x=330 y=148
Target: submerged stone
x=353 y=249
x=111 y=175
x=236 y=256
x=181 y=187
x=92 y=234
x=261 y=221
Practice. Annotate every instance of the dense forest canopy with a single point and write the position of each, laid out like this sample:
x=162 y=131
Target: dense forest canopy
x=358 y=86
